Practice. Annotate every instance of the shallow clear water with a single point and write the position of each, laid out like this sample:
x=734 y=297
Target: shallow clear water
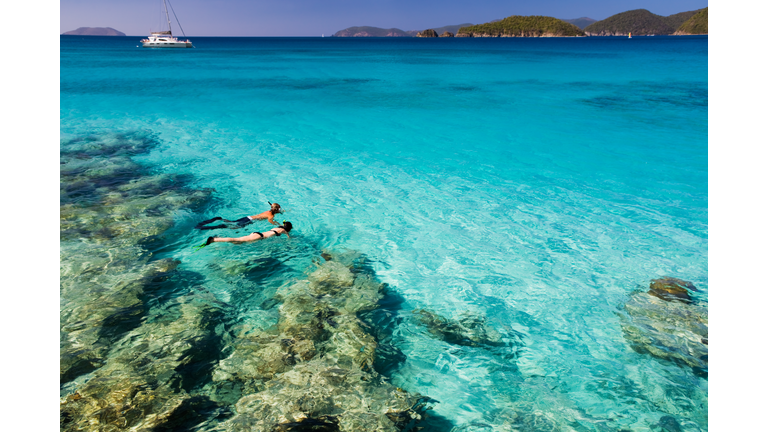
x=536 y=182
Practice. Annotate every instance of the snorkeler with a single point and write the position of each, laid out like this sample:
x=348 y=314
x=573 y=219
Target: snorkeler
x=247 y=220
x=285 y=228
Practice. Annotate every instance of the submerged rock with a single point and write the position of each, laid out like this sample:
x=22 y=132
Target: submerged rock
x=670 y=289
x=469 y=329
x=313 y=370
x=667 y=324
x=138 y=386
x=118 y=371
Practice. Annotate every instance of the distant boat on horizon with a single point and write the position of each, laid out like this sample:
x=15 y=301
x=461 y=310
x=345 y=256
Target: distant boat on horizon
x=165 y=39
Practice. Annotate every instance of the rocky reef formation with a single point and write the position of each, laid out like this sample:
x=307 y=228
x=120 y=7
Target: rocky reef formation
x=118 y=368
x=669 y=288
x=142 y=384
x=109 y=207
x=447 y=34
x=314 y=369
x=668 y=322
x=146 y=346
x=469 y=329
x=94 y=31
x=428 y=33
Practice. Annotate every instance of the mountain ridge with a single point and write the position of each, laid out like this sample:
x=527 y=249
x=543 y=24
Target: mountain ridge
x=370 y=31
x=94 y=31
x=580 y=22
x=639 y=22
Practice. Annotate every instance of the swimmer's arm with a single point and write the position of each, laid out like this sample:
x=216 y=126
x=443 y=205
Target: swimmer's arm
x=271 y=219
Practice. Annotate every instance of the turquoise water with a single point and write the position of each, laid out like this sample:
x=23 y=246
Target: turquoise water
x=535 y=182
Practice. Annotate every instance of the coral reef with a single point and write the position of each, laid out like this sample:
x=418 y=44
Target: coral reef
x=109 y=206
x=118 y=369
x=667 y=323
x=141 y=384
x=313 y=370
x=144 y=346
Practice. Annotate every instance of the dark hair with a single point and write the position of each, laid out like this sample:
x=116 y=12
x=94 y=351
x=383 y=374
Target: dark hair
x=287 y=226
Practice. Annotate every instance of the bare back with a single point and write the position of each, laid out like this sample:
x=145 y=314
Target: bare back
x=268 y=215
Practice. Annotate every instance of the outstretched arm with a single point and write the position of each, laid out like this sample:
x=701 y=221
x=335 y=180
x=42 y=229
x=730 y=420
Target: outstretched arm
x=271 y=219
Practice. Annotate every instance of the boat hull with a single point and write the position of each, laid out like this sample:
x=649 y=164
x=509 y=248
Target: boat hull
x=166 y=44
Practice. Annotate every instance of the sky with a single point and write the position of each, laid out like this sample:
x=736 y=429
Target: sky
x=318 y=17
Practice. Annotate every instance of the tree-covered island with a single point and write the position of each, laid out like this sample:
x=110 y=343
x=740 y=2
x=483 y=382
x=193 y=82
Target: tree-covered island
x=639 y=22
x=522 y=26
x=697 y=24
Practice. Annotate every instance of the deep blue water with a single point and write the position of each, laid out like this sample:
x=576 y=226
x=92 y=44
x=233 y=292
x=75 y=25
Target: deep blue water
x=536 y=182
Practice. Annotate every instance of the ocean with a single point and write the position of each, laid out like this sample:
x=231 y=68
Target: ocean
x=477 y=226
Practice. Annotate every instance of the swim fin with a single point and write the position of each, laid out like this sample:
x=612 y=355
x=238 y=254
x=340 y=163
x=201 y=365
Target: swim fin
x=207 y=242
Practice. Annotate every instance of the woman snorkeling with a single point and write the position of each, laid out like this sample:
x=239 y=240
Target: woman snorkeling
x=285 y=228
x=274 y=208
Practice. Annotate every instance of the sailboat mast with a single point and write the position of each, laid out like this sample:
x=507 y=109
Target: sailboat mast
x=166 y=15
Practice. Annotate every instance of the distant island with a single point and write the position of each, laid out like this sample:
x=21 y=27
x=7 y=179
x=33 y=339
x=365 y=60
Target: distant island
x=639 y=22
x=522 y=26
x=95 y=31
x=697 y=24
x=367 y=31
x=513 y=26
x=580 y=22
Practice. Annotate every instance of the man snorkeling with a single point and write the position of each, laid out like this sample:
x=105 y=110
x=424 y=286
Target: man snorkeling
x=285 y=228
x=247 y=220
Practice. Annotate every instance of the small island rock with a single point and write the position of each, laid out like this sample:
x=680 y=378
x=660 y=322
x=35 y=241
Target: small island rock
x=427 y=33
x=446 y=34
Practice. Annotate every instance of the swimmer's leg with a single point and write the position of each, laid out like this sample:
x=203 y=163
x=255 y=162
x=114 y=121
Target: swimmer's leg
x=243 y=221
x=200 y=225
x=212 y=227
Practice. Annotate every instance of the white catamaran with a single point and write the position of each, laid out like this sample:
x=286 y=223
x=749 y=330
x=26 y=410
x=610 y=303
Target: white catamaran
x=165 y=39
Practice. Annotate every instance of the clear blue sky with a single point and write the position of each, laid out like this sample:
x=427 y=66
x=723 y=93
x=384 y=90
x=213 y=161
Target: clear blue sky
x=316 y=17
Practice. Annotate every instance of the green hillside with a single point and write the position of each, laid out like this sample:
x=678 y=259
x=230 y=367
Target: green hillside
x=638 y=22
x=678 y=19
x=697 y=24
x=527 y=26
